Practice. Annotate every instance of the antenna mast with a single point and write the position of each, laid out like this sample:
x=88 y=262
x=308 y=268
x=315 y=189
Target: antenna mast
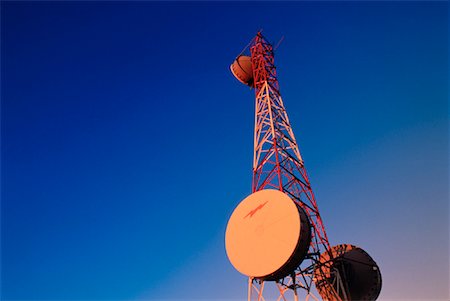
x=277 y=162
x=254 y=245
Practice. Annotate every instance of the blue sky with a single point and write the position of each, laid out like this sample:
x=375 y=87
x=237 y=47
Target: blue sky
x=126 y=141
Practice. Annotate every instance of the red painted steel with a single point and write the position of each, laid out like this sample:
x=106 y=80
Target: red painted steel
x=277 y=162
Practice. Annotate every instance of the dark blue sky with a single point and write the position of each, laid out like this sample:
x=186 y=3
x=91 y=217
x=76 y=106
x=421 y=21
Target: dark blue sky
x=126 y=141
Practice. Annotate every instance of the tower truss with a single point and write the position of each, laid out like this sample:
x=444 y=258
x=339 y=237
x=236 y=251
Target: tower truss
x=278 y=164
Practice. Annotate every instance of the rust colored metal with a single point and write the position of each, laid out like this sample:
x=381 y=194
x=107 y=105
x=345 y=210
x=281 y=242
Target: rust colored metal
x=242 y=70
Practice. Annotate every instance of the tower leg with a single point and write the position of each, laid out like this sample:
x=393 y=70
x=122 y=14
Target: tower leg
x=289 y=288
x=255 y=289
x=294 y=286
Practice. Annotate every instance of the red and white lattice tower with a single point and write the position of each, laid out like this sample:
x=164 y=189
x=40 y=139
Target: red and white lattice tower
x=294 y=254
x=278 y=164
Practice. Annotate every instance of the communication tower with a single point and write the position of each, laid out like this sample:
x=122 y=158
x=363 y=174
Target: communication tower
x=276 y=235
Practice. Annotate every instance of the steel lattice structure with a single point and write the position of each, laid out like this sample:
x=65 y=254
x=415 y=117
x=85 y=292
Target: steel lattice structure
x=278 y=164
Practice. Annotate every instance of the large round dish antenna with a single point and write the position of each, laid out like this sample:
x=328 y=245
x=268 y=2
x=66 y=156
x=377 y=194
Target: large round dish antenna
x=347 y=272
x=267 y=235
x=242 y=70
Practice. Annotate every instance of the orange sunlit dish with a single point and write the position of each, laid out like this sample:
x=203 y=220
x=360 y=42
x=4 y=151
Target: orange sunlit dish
x=256 y=239
x=242 y=69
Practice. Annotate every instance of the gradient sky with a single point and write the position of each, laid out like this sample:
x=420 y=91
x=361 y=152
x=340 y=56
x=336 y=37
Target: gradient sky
x=127 y=143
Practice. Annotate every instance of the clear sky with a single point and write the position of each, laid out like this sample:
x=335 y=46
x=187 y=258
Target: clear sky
x=126 y=141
